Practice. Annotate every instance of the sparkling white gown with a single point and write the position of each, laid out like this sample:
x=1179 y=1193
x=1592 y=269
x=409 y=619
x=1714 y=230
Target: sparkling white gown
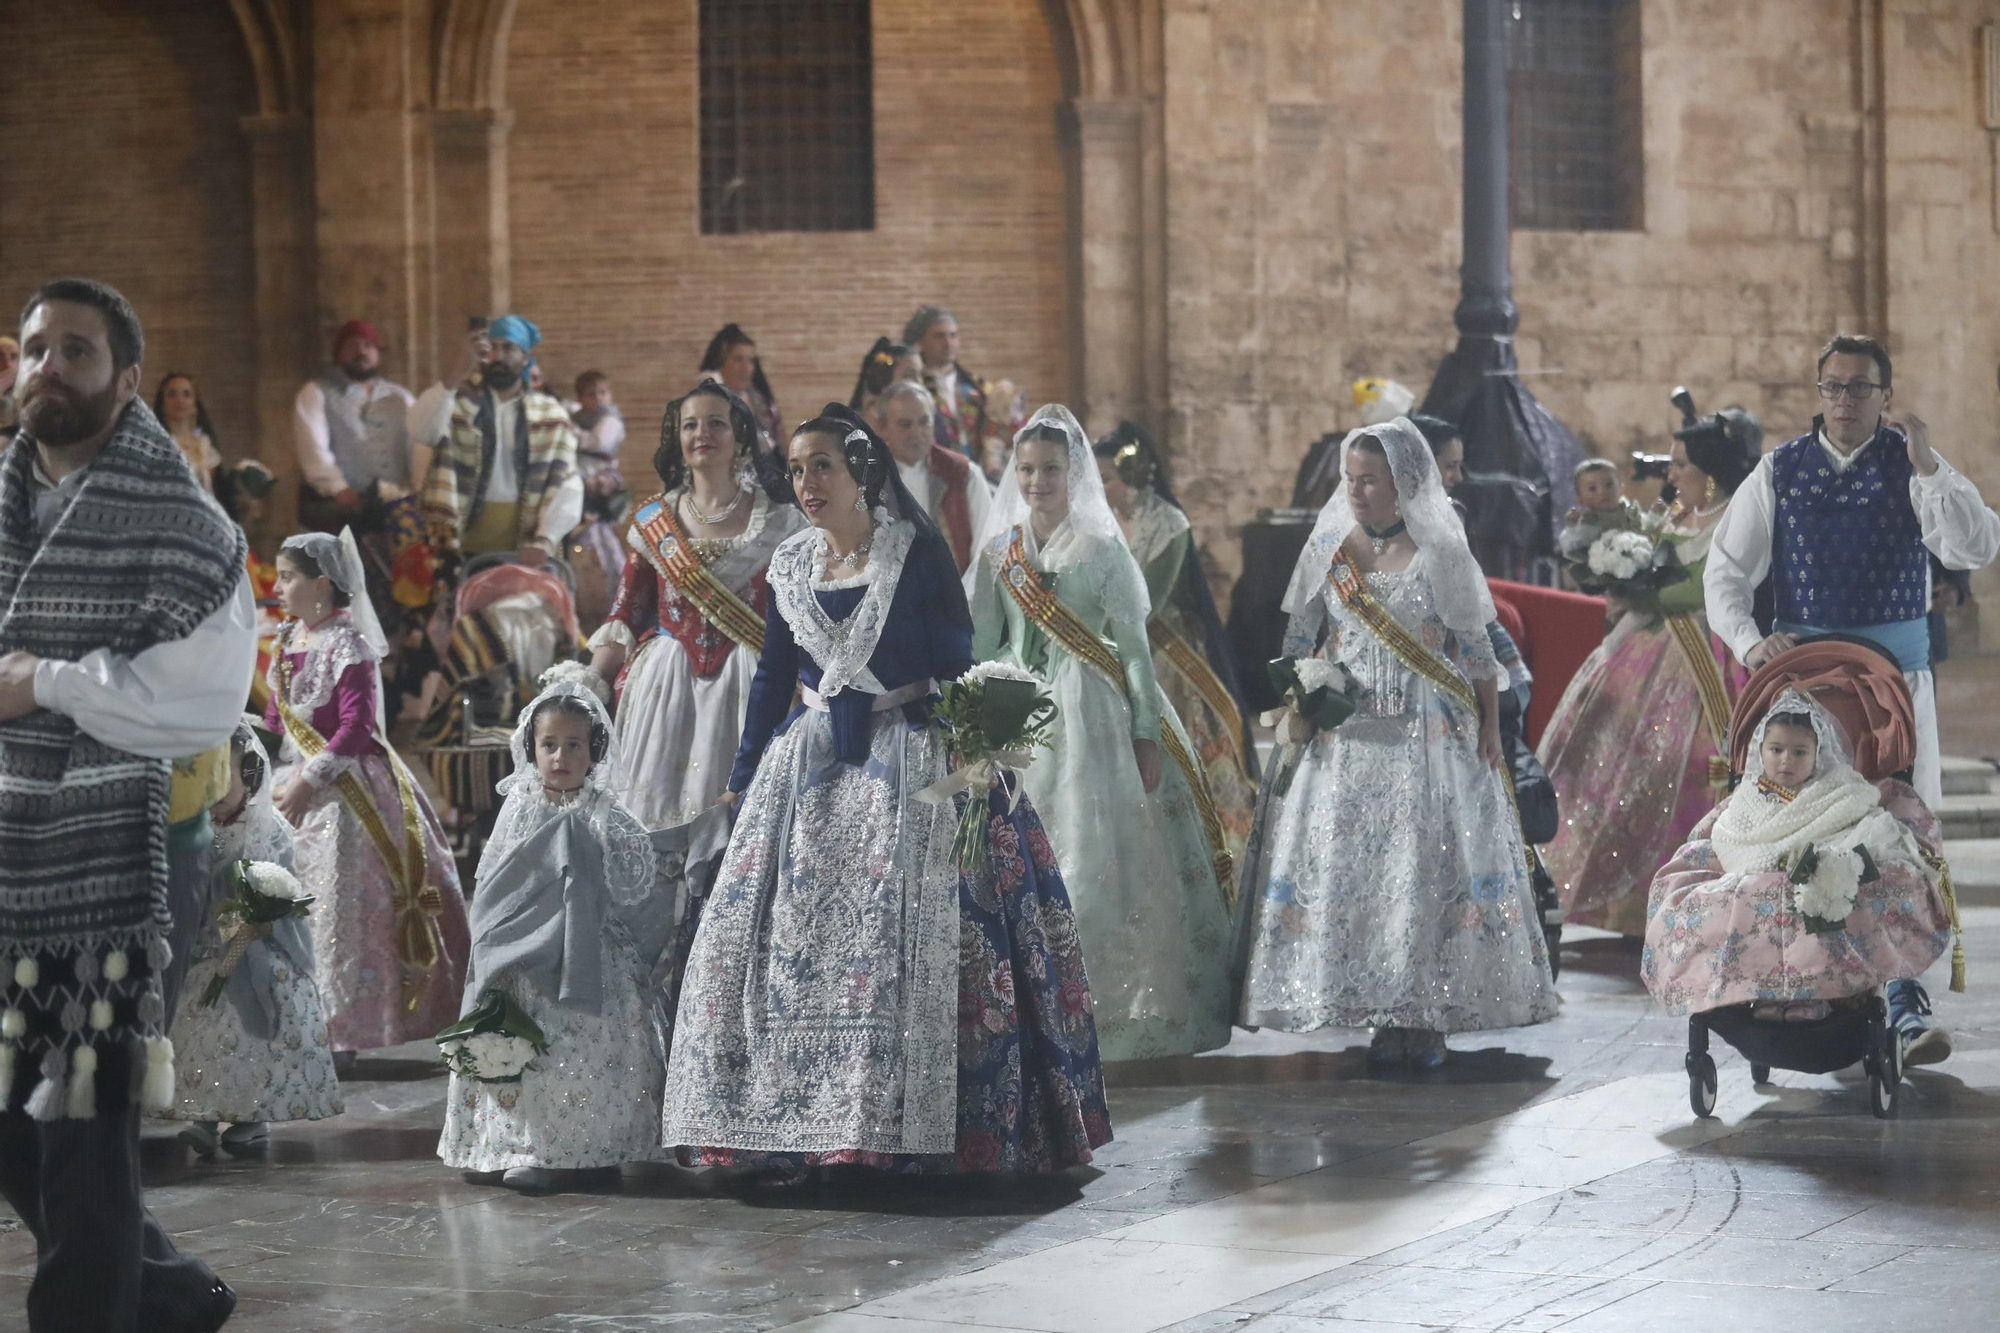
x=1390 y=885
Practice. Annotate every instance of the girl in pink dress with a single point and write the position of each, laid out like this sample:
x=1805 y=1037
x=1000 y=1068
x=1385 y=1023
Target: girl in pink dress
x=388 y=917
x=1728 y=925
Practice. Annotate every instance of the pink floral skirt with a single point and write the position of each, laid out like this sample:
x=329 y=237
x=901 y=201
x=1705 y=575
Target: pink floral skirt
x=1715 y=938
x=1629 y=755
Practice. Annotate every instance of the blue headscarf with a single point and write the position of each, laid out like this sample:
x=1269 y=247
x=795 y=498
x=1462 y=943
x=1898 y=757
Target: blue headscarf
x=516 y=330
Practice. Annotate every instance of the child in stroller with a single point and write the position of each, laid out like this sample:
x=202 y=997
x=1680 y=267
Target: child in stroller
x=1816 y=883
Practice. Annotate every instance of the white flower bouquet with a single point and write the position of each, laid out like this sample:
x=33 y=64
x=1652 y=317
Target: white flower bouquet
x=994 y=718
x=265 y=892
x=1621 y=562
x=494 y=1043
x=1826 y=882
x=1319 y=695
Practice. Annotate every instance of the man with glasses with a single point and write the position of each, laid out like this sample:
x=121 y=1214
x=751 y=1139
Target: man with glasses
x=1844 y=521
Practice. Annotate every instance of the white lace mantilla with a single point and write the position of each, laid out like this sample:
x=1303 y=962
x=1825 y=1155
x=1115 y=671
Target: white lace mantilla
x=841 y=647
x=1152 y=525
x=339 y=647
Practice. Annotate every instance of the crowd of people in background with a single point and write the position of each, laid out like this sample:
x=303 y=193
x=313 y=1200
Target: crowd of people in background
x=740 y=896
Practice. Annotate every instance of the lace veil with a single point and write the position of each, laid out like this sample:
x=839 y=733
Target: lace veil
x=339 y=558
x=1463 y=601
x=628 y=852
x=1834 y=752
x=257 y=833
x=1083 y=536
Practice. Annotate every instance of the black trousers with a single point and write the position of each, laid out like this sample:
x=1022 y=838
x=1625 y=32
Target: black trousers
x=102 y=1263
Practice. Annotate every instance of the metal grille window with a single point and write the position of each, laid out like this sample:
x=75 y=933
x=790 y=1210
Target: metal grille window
x=787 y=116
x=1578 y=137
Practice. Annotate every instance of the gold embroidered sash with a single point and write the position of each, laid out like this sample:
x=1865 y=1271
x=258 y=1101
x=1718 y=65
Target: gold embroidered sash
x=1201 y=675
x=689 y=573
x=1710 y=689
x=419 y=939
x=1411 y=652
x=1041 y=606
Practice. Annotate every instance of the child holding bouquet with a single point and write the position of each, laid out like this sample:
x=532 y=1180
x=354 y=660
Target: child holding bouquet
x=1808 y=885
x=250 y=1035
x=556 y=1064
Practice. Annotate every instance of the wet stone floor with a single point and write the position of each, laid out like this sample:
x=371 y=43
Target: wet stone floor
x=1545 y=1179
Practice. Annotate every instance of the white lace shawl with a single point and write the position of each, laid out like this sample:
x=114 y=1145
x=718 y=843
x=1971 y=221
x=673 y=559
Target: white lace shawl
x=339 y=647
x=840 y=647
x=1837 y=808
x=1152 y=525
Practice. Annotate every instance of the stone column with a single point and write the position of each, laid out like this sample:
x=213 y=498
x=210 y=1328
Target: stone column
x=1111 y=286
x=283 y=246
x=372 y=174
x=469 y=163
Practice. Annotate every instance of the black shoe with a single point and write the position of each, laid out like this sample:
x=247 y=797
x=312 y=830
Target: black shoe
x=219 y=1305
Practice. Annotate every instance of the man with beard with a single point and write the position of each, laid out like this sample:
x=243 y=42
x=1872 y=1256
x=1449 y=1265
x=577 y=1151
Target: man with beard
x=506 y=476
x=127 y=641
x=350 y=427
x=953 y=491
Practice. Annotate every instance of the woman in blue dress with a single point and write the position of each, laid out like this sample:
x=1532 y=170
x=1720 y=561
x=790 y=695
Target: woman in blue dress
x=851 y=996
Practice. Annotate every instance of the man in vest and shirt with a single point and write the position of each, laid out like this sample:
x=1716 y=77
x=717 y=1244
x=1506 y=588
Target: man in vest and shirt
x=952 y=489
x=1844 y=520
x=505 y=478
x=350 y=428
x=961 y=419
x=127 y=641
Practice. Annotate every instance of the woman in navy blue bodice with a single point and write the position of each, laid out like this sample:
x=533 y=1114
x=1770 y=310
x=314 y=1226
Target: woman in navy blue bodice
x=850 y=996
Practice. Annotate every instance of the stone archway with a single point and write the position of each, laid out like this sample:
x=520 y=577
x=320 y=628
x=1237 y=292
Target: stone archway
x=1113 y=77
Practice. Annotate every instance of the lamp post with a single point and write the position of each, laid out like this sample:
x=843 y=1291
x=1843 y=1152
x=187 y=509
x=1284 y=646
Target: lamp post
x=1518 y=457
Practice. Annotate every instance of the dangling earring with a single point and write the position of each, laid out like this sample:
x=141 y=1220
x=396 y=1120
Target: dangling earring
x=1708 y=493
x=861 y=503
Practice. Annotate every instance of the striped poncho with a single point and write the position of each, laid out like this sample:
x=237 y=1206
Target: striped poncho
x=141 y=557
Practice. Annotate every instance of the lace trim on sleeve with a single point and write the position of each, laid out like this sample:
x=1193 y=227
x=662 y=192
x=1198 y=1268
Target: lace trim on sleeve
x=613 y=631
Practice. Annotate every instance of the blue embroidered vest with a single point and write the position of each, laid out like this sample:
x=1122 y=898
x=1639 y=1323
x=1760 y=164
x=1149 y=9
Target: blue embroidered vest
x=1847 y=550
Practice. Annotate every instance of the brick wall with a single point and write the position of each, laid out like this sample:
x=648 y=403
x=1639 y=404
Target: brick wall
x=123 y=161
x=603 y=187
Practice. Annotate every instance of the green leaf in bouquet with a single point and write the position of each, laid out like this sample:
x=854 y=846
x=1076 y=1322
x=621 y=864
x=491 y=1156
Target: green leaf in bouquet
x=1283 y=673
x=1006 y=708
x=1326 y=707
x=496 y=1011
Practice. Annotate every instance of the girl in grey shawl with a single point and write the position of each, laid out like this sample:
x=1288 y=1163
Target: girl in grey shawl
x=258 y=1054
x=562 y=887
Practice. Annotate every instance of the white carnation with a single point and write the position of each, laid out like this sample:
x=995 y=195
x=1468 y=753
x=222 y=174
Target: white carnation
x=496 y=1055
x=1575 y=542
x=1835 y=884
x=274 y=881
x=1319 y=674
x=998 y=671
x=1620 y=555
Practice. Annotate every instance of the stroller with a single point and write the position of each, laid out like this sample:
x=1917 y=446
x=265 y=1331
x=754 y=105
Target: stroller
x=509 y=624
x=1862 y=686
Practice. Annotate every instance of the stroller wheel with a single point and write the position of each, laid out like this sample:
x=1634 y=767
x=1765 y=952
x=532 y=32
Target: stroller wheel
x=1701 y=1083
x=1885 y=1076
x=1760 y=1074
